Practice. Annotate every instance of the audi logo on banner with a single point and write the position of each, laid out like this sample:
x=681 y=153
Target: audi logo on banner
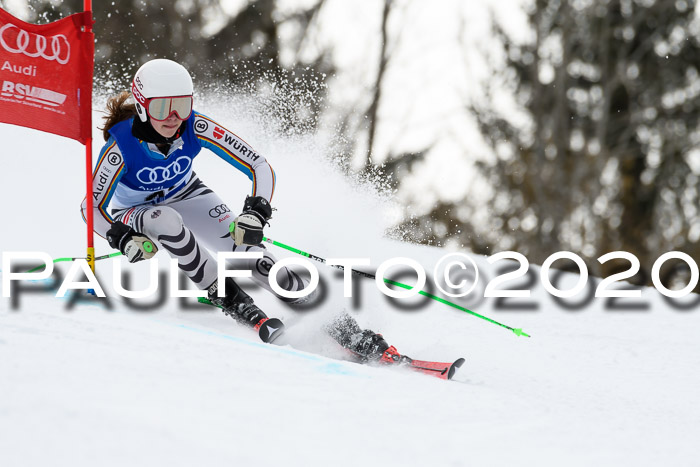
x=34 y=45
x=217 y=211
x=158 y=175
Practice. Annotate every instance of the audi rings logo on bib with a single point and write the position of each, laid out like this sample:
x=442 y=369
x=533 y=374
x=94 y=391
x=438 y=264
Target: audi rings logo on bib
x=158 y=175
x=17 y=41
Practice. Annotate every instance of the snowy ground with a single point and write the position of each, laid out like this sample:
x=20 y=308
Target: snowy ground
x=87 y=385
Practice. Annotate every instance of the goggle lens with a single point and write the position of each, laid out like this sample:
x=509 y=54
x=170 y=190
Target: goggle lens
x=160 y=108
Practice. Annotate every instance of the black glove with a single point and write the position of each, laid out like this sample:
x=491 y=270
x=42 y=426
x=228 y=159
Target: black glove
x=247 y=228
x=134 y=246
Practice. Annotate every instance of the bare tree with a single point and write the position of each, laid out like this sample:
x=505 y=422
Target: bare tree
x=372 y=119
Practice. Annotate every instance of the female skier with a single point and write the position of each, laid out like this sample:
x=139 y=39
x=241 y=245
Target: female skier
x=146 y=195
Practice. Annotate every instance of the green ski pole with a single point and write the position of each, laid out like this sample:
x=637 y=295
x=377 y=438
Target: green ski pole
x=61 y=260
x=516 y=331
x=147 y=245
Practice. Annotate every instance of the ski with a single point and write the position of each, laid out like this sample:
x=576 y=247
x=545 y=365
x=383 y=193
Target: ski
x=442 y=370
x=438 y=369
x=270 y=329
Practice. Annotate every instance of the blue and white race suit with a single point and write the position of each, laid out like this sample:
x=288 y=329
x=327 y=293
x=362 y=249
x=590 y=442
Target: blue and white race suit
x=160 y=196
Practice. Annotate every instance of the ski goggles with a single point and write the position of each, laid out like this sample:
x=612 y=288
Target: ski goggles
x=160 y=108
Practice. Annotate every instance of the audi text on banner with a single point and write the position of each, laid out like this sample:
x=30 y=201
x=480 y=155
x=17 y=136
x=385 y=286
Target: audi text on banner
x=46 y=74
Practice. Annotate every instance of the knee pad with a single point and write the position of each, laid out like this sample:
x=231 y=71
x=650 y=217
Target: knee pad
x=162 y=220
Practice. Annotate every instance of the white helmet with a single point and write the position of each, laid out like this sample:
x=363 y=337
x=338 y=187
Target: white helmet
x=159 y=78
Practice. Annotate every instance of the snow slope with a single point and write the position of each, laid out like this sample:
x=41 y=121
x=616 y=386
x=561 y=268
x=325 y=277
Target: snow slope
x=102 y=384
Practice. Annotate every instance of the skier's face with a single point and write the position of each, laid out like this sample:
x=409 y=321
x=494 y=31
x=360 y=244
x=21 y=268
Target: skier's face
x=168 y=127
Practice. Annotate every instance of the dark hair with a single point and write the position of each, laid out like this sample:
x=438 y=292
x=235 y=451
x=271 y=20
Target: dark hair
x=117 y=110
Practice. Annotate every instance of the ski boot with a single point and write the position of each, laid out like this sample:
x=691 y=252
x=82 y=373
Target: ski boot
x=240 y=306
x=367 y=345
x=372 y=347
